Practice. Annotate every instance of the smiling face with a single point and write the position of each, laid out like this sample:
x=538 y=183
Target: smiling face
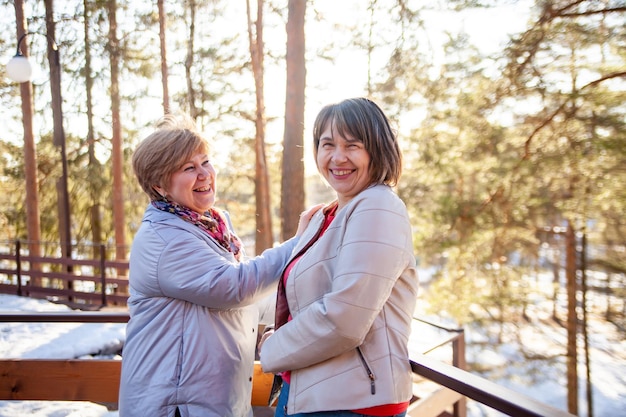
x=193 y=184
x=355 y=147
x=343 y=162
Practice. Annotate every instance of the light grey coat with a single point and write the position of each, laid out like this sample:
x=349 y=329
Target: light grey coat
x=191 y=337
x=355 y=287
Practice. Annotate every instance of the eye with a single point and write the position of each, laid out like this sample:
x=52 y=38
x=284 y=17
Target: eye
x=188 y=168
x=206 y=163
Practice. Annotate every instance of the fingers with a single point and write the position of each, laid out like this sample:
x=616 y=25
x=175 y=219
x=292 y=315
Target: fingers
x=264 y=337
x=308 y=213
x=305 y=217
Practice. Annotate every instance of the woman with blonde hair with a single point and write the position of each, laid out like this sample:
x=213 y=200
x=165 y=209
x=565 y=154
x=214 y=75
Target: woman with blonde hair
x=194 y=312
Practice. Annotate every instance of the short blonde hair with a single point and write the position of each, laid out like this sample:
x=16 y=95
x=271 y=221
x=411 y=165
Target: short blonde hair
x=164 y=151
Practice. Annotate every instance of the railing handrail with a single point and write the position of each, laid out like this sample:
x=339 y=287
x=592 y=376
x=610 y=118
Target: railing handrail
x=482 y=390
x=465 y=383
x=455 y=335
x=65 y=317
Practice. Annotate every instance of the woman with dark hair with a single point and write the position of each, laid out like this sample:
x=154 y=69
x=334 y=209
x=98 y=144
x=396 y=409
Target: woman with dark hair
x=347 y=297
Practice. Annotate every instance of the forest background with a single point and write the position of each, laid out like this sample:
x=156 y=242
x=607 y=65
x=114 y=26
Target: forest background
x=514 y=154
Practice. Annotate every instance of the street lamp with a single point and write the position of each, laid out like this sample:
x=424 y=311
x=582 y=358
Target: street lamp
x=19 y=69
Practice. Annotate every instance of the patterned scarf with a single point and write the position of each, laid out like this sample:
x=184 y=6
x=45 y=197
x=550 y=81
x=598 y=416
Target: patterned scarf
x=211 y=222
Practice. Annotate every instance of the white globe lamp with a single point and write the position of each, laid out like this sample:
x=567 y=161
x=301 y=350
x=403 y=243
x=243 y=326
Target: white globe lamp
x=19 y=69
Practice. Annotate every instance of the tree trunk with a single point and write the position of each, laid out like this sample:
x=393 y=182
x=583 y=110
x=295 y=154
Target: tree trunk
x=572 y=320
x=33 y=226
x=263 y=237
x=292 y=183
x=117 y=156
x=58 y=131
x=191 y=92
x=95 y=168
x=583 y=279
x=162 y=32
x=556 y=271
x=607 y=314
x=63 y=200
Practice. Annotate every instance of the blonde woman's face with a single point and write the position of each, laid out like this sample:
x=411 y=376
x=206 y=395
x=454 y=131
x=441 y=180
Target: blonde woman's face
x=193 y=185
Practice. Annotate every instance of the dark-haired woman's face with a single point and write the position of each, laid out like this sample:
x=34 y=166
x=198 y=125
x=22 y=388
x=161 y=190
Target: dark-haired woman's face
x=344 y=163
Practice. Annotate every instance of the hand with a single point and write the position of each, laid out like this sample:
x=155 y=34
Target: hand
x=305 y=218
x=264 y=337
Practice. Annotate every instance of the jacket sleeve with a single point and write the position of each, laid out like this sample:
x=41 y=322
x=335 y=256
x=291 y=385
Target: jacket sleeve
x=191 y=270
x=371 y=257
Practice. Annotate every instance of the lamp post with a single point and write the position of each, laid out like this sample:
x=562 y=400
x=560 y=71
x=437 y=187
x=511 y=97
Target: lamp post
x=19 y=69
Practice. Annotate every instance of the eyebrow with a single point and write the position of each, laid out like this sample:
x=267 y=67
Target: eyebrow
x=191 y=159
x=352 y=139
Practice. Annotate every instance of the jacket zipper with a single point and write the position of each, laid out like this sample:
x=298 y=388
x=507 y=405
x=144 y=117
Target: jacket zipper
x=370 y=374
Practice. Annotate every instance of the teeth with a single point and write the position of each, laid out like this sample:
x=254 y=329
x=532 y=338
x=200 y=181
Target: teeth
x=342 y=172
x=203 y=189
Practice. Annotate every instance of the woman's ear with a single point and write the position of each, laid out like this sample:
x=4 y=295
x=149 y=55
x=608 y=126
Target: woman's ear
x=159 y=190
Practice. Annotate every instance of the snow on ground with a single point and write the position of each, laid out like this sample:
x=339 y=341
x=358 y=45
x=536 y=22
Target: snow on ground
x=536 y=367
x=53 y=341
x=506 y=364
x=531 y=358
x=532 y=361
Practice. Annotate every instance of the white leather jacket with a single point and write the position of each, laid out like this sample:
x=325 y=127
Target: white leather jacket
x=352 y=296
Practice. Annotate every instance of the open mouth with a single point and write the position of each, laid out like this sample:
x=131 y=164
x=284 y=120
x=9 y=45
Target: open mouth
x=341 y=172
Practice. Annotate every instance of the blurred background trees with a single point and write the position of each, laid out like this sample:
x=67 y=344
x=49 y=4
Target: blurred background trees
x=515 y=155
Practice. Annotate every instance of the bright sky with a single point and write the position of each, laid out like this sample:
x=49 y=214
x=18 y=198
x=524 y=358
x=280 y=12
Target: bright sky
x=345 y=77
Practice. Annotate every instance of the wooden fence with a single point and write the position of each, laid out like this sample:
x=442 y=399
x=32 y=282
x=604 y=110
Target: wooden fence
x=94 y=380
x=86 y=284
x=98 y=380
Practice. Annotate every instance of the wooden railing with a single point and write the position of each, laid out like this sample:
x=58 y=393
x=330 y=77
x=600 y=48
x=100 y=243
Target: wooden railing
x=86 y=284
x=94 y=380
x=98 y=380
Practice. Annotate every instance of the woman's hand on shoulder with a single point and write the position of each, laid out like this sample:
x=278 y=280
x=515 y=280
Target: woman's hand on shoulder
x=305 y=218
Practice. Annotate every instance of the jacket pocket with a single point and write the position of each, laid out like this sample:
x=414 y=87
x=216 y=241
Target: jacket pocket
x=368 y=370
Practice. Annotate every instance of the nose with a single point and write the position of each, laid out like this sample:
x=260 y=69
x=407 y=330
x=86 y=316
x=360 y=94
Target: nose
x=206 y=171
x=339 y=154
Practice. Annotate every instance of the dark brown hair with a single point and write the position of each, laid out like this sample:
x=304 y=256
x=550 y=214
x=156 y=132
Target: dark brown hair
x=364 y=120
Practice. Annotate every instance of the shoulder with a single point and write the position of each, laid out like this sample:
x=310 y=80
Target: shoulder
x=160 y=229
x=378 y=197
x=167 y=223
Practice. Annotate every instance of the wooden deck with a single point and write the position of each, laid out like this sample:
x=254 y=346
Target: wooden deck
x=97 y=381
